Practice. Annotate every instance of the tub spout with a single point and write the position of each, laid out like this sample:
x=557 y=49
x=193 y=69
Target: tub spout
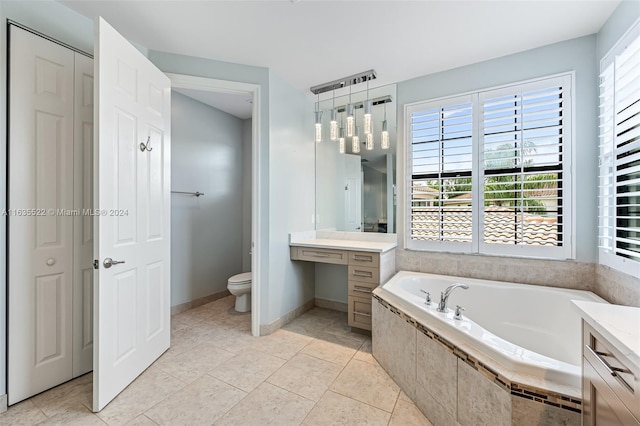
x=444 y=296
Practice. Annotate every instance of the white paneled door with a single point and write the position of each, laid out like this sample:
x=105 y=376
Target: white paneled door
x=132 y=238
x=40 y=250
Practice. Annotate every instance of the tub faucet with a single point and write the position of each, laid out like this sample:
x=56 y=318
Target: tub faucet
x=444 y=296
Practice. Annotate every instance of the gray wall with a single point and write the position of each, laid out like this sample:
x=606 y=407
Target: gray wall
x=291 y=196
x=206 y=232
x=618 y=23
x=577 y=55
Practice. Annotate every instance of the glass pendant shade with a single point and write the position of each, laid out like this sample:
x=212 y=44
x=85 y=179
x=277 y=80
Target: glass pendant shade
x=384 y=136
x=369 y=140
x=367 y=117
x=355 y=142
x=318 y=126
x=341 y=141
x=350 y=121
x=333 y=126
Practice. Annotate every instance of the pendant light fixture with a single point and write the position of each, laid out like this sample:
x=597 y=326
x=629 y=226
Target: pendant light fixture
x=333 y=124
x=355 y=140
x=384 y=136
x=369 y=141
x=350 y=117
x=318 y=121
x=367 y=114
x=341 y=141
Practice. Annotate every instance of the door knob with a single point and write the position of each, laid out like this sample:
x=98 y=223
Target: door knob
x=108 y=262
x=51 y=261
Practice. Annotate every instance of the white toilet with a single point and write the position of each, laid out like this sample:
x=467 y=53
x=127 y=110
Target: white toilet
x=240 y=286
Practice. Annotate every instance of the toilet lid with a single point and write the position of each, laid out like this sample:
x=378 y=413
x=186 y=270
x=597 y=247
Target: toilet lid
x=240 y=278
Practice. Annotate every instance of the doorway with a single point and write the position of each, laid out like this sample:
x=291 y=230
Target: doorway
x=186 y=82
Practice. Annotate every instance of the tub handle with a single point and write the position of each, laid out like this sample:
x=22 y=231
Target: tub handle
x=427 y=298
x=364 y=314
x=458 y=314
x=611 y=370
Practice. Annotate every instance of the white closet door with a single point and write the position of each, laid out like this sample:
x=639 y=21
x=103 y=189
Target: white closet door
x=132 y=303
x=40 y=240
x=83 y=222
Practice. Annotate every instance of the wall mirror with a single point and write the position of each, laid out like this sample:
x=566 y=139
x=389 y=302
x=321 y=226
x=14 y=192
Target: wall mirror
x=356 y=189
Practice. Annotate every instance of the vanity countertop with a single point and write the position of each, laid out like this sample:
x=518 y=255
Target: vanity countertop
x=325 y=243
x=620 y=325
x=340 y=240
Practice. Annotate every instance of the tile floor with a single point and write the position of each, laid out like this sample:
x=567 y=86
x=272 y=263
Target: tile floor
x=314 y=371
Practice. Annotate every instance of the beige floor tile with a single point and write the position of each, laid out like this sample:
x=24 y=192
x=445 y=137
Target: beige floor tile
x=194 y=363
x=247 y=370
x=305 y=375
x=181 y=342
x=233 y=341
x=68 y=395
x=404 y=397
x=327 y=313
x=74 y=415
x=23 y=413
x=141 y=420
x=268 y=405
x=365 y=353
x=147 y=390
x=367 y=383
x=202 y=402
x=309 y=325
x=336 y=409
x=333 y=348
x=282 y=343
x=407 y=414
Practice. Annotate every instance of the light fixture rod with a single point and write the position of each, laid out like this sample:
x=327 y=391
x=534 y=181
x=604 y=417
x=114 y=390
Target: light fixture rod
x=344 y=82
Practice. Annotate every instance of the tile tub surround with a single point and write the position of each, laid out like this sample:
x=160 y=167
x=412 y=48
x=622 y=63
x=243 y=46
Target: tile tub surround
x=450 y=386
x=310 y=372
x=613 y=286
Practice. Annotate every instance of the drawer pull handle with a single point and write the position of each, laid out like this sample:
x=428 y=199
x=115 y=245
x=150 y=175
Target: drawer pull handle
x=363 y=258
x=359 y=289
x=611 y=370
x=364 y=314
x=363 y=274
x=317 y=254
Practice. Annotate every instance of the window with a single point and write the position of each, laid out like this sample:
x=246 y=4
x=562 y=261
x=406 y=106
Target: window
x=490 y=171
x=619 y=180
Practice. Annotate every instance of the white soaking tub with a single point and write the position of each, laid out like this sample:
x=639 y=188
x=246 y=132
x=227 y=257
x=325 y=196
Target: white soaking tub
x=533 y=332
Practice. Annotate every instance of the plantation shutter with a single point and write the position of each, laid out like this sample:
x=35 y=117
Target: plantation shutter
x=441 y=172
x=627 y=151
x=606 y=199
x=525 y=164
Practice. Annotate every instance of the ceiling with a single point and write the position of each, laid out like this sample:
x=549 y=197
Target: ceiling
x=240 y=106
x=312 y=42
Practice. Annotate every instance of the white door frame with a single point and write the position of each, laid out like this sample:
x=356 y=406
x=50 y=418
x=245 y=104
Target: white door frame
x=182 y=81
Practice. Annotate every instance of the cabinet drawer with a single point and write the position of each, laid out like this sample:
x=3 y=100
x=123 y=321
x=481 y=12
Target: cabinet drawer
x=600 y=405
x=339 y=257
x=364 y=274
x=361 y=289
x=364 y=258
x=360 y=312
x=622 y=376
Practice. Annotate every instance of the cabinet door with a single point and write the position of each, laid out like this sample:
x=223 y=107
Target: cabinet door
x=600 y=405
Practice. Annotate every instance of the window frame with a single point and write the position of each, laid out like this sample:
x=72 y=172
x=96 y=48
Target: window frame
x=607 y=256
x=478 y=246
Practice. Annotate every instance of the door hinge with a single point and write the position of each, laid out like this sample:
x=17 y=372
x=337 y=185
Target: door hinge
x=96 y=264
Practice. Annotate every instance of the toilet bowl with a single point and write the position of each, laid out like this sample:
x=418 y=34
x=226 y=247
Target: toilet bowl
x=240 y=286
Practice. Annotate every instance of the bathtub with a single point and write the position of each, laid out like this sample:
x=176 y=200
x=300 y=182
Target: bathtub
x=531 y=333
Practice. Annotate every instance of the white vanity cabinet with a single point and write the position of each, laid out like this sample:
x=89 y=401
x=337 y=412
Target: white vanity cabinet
x=611 y=371
x=366 y=270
